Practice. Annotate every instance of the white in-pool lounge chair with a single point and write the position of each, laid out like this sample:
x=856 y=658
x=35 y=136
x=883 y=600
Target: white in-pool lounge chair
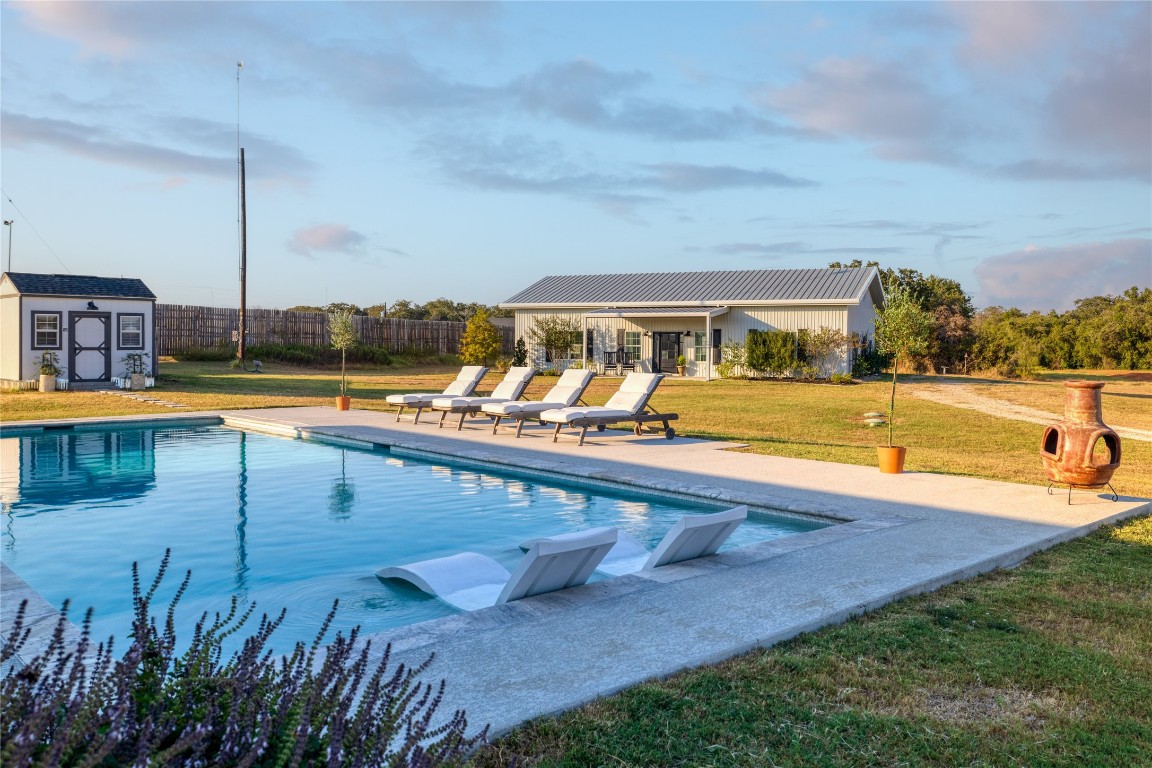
x=630 y=403
x=693 y=536
x=567 y=392
x=470 y=580
x=465 y=384
x=508 y=390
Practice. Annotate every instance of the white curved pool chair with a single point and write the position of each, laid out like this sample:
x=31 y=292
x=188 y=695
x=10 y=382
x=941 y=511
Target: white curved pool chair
x=464 y=384
x=470 y=580
x=508 y=390
x=568 y=390
x=693 y=536
x=629 y=403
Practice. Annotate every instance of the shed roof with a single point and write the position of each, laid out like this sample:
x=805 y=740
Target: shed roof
x=752 y=286
x=79 y=285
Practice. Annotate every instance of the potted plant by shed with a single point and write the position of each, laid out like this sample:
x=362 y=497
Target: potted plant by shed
x=343 y=334
x=681 y=363
x=136 y=368
x=903 y=329
x=49 y=366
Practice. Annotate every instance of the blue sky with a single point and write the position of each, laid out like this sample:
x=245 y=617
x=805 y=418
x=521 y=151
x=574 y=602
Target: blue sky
x=417 y=150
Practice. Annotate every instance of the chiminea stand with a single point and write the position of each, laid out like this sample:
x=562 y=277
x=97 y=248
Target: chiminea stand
x=1115 y=496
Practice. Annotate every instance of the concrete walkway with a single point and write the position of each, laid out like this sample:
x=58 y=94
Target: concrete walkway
x=901 y=535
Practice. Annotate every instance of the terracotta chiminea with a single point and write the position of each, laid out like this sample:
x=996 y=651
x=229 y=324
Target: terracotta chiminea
x=1068 y=449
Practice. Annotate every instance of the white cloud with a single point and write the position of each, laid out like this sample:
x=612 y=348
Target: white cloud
x=1053 y=278
x=330 y=238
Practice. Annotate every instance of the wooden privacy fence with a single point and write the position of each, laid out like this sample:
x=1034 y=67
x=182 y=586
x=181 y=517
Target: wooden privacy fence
x=181 y=327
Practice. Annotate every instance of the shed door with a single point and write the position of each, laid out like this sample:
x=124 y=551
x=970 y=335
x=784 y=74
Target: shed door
x=89 y=355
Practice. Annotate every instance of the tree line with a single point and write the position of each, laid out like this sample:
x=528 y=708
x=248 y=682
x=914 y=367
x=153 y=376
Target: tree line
x=1107 y=332
x=403 y=309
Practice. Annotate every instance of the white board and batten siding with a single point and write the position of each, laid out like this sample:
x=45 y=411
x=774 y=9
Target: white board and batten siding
x=736 y=302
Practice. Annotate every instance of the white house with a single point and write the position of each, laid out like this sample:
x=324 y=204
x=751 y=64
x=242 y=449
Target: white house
x=649 y=320
x=91 y=323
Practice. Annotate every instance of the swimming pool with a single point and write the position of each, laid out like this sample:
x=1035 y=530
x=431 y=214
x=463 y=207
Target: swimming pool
x=286 y=523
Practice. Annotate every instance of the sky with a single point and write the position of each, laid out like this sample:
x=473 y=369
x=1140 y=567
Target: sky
x=465 y=150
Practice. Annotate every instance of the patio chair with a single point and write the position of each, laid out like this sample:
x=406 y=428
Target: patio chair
x=693 y=536
x=465 y=384
x=629 y=403
x=470 y=581
x=567 y=392
x=508 y=390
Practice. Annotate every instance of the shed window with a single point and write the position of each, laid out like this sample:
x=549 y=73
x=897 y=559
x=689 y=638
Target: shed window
x=131 y=331
x=701 y=350
x=45 y=330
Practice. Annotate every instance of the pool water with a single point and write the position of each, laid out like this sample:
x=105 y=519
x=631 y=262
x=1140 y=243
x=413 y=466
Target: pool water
x=284 y=523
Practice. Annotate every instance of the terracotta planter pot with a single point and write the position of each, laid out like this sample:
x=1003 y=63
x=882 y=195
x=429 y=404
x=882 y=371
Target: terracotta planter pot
x=891 y=458
x=343 y=402
x=47 y=383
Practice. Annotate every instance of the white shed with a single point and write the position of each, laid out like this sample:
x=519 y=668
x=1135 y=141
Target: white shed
x=651 y=319
x=91 y=323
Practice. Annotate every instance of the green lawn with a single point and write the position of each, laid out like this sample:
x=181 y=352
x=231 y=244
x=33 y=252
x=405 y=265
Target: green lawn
x=1047 y=664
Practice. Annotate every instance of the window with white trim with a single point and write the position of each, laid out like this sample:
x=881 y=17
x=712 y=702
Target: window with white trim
x=45 y=330
x=632 y=344
x=701 y=355
x=131 y=331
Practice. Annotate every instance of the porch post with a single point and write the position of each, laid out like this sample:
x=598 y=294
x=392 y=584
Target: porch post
x=584 y=340
x=708 y=345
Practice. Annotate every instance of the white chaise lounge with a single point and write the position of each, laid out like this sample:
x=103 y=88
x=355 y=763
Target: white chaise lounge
x=693 y=536
x=567 y=392
x=465 y=384
x=629 y=403
x=470 y=581
x=507 y=391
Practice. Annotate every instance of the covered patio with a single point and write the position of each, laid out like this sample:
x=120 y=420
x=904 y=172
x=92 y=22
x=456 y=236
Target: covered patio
x=646 y=342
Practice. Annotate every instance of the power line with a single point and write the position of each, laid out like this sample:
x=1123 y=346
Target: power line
x=36 y=231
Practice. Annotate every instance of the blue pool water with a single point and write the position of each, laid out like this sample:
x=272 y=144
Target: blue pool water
x=284 y=523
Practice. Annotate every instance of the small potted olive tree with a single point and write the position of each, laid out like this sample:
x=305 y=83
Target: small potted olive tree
x=681 y=364
x=136 y=367
x=344 y=336
x=903 y=330
x=49 y=366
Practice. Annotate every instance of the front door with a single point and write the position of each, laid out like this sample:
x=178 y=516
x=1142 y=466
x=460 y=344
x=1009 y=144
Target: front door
x=666 y=348
x=90 y=349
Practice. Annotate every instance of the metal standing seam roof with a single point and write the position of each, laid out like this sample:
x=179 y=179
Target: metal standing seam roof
x=761 y=286
x=32 y=284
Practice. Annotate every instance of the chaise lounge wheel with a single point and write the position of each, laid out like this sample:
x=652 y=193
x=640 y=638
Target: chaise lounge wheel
x=638 y=430
x=601 y=427
x=670 y=433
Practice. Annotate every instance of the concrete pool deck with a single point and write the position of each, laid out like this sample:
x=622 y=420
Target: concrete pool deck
x=902 y=535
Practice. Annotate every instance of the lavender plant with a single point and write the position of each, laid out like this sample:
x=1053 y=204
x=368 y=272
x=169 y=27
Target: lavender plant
x=78 y=705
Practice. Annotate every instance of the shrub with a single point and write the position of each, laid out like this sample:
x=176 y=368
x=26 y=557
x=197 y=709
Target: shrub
x=732 y=359
x=305 y=355
x=75 y=705
x=520 y=359
x=482 y=341
x=220 y=353
x=841 y=378
x=772 y=352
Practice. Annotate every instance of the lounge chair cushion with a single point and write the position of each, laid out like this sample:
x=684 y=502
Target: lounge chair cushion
x=567 y=390
x=568 y=415
x=466 y=380
x=464 y=383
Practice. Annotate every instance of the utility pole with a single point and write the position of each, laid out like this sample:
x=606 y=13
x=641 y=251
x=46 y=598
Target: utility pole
x=8 y=223
x=243 y=258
